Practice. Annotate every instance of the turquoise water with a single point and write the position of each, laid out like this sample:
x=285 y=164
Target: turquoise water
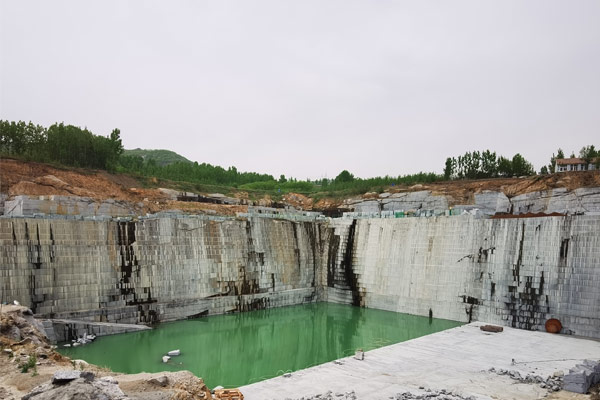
x=237 y=349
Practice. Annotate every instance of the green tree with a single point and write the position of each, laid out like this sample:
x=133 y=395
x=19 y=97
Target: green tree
x=489 y=164
x=344 y=177
x=472 y=164
x=449 y=168
x=588 y=154
x=544 y=170
x=282 y=179
x=520 y=166
x=560 y=155
x=505 y=167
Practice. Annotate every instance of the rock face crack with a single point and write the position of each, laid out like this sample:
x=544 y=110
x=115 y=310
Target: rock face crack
x=346 y=266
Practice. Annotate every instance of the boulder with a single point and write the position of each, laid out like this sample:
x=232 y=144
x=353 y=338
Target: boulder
x=65 y=376
x=80 y=388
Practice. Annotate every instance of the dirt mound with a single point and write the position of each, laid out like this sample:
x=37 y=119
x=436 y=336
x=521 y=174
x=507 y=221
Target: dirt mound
x=35 y=179
x=299 y=201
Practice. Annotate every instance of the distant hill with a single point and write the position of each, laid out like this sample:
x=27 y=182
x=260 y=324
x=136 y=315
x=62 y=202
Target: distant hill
x=161 y=157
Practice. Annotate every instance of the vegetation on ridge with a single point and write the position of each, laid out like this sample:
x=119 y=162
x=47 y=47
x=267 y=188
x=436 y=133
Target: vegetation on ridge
x=160 y=157
x=485 y=164
x=69 y=145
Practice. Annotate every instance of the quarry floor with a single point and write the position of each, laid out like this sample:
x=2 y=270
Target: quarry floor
x=457 y=360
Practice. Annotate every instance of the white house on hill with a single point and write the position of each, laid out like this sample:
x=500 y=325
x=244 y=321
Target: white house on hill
x=573 y=164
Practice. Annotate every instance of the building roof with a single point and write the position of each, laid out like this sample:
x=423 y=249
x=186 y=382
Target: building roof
x=569 y=161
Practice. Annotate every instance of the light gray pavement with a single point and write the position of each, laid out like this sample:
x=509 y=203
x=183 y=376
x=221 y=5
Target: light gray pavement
x=458 y=360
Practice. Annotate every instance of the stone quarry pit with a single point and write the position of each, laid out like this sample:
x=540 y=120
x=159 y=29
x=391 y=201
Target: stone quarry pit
x=420 y=252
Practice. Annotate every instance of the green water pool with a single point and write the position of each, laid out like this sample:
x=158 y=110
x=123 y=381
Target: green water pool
x=238 y=349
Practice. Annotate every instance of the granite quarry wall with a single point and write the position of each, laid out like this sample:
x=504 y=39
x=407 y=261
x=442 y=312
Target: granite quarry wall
x=156 y=269
x=517 y=272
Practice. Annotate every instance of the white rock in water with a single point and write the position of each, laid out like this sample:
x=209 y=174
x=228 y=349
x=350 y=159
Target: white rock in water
x=67 y=345
x=174 y=352
x=166 y=359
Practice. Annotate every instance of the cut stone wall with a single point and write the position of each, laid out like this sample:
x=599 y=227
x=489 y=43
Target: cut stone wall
x=66 y=330
x=514 y=272
x=156 y=269
x=579 y=201
x=561 y=200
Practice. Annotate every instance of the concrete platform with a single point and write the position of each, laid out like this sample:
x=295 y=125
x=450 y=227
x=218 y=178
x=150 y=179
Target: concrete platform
x=458 y=360
x=64 y=330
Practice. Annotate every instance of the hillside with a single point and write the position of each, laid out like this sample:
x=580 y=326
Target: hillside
x=37 y=179
x=161 y=157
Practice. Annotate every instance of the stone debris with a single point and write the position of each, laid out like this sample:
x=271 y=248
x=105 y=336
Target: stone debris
x=552 y=383
x=582 y=377
x=329 y=395
x=442 y=394
x=424 y=394
x=77 y=385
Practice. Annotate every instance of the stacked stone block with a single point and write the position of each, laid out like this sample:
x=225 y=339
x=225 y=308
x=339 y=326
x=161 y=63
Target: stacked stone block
x=23 y=205
x=582 y=377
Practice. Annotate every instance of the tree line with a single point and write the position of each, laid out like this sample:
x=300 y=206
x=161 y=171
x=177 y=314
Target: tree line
x=486 y=164
x=60 y=143
x=190 y=172
x=74 y=146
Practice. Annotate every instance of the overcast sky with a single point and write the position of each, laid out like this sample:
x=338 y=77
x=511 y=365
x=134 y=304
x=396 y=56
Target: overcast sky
x=309 y=88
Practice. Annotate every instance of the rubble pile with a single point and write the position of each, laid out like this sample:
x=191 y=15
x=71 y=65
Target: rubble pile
x=425 y=394
x=432 y=394
x=17 y=324
x=552 y=383
x=329 y=395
